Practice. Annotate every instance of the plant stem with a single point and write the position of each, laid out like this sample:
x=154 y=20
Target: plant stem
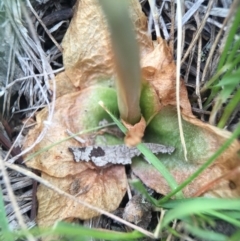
x=126 y=58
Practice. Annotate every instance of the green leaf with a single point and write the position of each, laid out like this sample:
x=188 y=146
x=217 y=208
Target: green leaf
x=225 y=145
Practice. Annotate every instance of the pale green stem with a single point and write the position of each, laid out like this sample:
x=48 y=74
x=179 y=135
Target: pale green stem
x=126 y=58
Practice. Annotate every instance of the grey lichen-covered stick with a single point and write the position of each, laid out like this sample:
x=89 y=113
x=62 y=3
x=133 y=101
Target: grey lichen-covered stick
x=117 y=154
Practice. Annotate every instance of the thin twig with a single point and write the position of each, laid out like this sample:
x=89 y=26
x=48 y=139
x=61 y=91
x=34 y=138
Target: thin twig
x=13 y=199
x=199 y=31
x=189 y=64
x=183 y=29
x=44 y=26
x=155 y=15
x=11 y=60
x=157 y=231
x=199 y=65
x=30 y=76
x=17 y=139
x=171 y=42
x=173 y=227
x=178 y=77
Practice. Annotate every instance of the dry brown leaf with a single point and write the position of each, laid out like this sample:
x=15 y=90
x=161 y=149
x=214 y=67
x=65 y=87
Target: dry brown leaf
x=225 y=188
x=87 y=54
x=105 y=186
x=58 y=161
x=102 y=188
x=159 y=58
x=63 y=85
x=135 y=132
x=158 y=67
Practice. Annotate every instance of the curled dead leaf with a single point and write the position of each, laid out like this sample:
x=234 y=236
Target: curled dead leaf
x=158 y=67
x=135 y=132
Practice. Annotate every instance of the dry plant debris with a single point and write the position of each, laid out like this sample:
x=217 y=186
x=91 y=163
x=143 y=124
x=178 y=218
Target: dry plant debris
x=116 y=154
x=88 y=65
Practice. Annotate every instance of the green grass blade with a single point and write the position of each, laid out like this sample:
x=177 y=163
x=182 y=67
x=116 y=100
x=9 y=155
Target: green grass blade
x=230 y=216
x=234 y=51
x=176 y=202
x=228 y=84
x=227 y=78
x=140 y=188
x=77 y=232
x=224 y=217
x=230 y=39
x=160 y=167
x=5 y=233
x=70 y=230
x=228 y=68
x=126 y=57
x=229 y=109
x=199 y=206
x=206 y=234
x=235 y=236
x=209 y=83
x=174 y=233
x=228 y=61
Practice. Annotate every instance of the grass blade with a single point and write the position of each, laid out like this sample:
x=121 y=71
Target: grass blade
x=205 y=234
x=198 y=206
x=229 y=109
x=5 y=233
x=77 y=232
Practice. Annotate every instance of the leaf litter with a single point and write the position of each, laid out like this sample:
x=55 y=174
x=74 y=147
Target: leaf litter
x=159 y=72
x=86 y=68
